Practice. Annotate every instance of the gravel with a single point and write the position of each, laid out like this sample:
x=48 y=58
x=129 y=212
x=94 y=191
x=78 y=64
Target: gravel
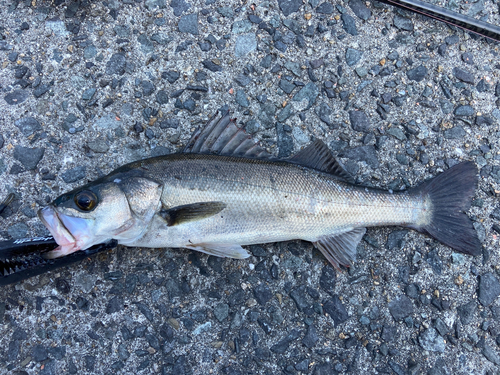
x=89 y=86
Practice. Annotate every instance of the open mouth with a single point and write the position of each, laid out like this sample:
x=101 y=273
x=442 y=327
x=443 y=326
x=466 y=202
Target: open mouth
x=67 y=243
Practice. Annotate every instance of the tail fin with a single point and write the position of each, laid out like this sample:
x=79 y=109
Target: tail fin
x=451 y=193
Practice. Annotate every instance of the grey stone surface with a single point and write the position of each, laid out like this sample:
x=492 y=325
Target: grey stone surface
x=96 y=85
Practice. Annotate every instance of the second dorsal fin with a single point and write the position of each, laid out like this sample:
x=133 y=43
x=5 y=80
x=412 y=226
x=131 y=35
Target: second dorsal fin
x=221 y=136
x=318 y=156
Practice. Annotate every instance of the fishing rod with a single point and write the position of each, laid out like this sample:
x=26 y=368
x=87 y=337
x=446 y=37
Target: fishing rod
x=24 y=258
x=478 y=27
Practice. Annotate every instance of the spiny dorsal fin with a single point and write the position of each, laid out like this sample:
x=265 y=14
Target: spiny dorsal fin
x=341 y=248
x=191 y=212
x=318 y=156
x=221 y=136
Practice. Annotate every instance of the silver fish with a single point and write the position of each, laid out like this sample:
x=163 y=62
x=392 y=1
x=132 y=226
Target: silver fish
x=225 y=191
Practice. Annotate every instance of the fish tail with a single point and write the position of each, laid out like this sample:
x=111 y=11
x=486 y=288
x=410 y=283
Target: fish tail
x=451 y=194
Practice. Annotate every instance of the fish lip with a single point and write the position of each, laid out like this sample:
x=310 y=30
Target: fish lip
x=62 y=235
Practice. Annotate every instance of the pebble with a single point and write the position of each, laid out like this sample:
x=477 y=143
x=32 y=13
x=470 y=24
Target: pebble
x=464 y=110
x=116 y=64
x=245 y=44
x=16 y=97
x=289 y=6
x=368 y=154
x=466 y=312
x=309 y=92
x=353 y=56
x=430 y=340
x=463 y=75
x=403 y=23
x=417 y=74
x=115 y=304
x=262 y=294
x=221 y=311
x=489 y=289
x=360 y=9
x=336 y=309
x=74 y=174
x=400 y=307
x=311 y=337
x=349 y=25
x=39 y=353
x=28 y=125
x=29 y=157
x=281 y=346
x=189 y=24
x=99 y=146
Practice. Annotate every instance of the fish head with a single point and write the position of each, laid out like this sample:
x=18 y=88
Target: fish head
x=118 y=209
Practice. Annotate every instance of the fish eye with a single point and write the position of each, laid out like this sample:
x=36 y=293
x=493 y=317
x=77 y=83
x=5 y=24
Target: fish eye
x=86 y=200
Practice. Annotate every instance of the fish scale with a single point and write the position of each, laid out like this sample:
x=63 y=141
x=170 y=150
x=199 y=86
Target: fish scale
x=269 y=201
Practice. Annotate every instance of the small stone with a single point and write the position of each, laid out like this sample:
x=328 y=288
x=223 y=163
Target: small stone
x=430 y=340
x=491 y=355
x=88 y=94
x=403 y=23
x=99 y=146
x=353 y=56
x=74 y=174
x=39 y=353
x=147 y=88
x=116 y=64
x=311 y=338
x=349 y=25
x=245 y=44
x=396 y=239
x=310 y=92
x=368 y=154
x=281 y=346
x=325 y=8
x=417 y=74
x=336 y=310
x=29 y=157
x=179 y=6
x=28 y=125
x=189 y=24
x=212 y=66
x=457 y=132
x=360 y=121
x=16 y=97
x=466 y=312
x=241 y=98
x=221 y=311
x=464 y=110
x=360 y=9
x=114 y=305
x=463 y=75
x=262 y=294
x=489 y=289
x=400 y=307
x=289 y=6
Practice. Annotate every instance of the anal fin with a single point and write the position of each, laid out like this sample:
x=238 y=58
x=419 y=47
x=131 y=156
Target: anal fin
x=340 y=249
x=220 y=250
x=191 y=212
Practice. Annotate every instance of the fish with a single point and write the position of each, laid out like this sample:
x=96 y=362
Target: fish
x=225 y=191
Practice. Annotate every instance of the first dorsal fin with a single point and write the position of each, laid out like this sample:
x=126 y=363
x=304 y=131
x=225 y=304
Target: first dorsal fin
x=318 y=156
x=221 y=136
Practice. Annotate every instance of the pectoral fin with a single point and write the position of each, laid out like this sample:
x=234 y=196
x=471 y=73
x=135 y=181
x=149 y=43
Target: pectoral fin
x=341 y=248
x=220 y=250
x=191 y=212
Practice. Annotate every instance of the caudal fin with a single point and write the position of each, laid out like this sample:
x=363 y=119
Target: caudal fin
x=451 y=193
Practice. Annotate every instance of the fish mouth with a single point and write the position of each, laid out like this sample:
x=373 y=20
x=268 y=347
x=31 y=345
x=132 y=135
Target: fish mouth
x=62 y=235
